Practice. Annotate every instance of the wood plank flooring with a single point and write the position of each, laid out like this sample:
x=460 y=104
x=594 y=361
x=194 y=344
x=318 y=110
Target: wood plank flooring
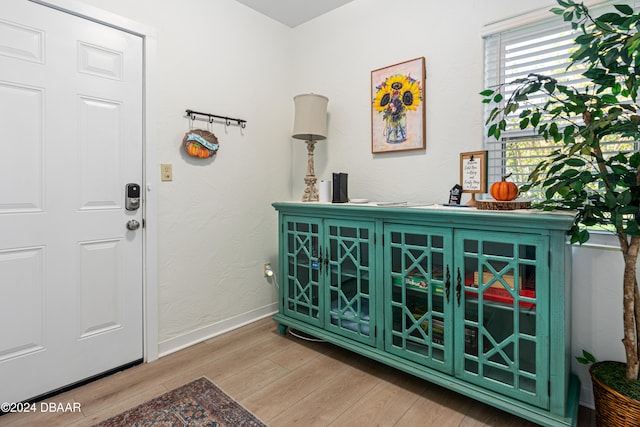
x=285 y=381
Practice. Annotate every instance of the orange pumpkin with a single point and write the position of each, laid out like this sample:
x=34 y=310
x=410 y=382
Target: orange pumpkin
x=504 y=190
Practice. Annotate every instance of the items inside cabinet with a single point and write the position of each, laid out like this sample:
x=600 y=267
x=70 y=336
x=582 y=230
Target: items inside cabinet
x=503 y=265
x=350 y=308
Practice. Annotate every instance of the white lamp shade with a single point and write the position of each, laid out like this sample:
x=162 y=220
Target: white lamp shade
x=310 y=123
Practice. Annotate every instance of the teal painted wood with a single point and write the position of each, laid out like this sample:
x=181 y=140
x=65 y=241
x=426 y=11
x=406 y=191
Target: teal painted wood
x=560 y=317
x=302 y=298
x=501 y=320
x=349 y=270
x=417 y=294
x=518 y=357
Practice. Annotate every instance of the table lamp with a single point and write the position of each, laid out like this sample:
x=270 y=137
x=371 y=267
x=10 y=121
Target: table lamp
x=310 y=125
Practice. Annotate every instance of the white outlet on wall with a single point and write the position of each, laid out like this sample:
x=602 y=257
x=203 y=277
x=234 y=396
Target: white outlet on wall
x=268 y=272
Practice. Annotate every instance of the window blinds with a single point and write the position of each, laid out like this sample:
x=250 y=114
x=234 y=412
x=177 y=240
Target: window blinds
x=541 y=47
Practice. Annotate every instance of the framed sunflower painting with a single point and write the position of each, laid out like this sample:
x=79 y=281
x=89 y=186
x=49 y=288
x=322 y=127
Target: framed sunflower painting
x=397 y=107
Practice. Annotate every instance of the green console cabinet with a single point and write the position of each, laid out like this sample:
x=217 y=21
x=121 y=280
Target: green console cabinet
x=471 y=300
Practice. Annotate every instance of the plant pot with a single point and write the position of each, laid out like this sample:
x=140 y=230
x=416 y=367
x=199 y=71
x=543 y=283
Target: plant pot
x=613 y=408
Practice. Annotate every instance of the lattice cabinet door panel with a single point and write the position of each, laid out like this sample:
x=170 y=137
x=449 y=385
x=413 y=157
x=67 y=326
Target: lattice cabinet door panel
x=350 y=263
x=301 y=255
x=501 y=305
x=417 y=294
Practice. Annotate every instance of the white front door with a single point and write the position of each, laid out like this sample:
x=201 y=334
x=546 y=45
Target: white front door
x=70 y=141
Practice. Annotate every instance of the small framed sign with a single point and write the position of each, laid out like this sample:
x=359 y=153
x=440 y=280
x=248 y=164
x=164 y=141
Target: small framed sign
x=473 y=173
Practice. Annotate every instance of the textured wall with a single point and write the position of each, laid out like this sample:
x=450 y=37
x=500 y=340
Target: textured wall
x=216 y=224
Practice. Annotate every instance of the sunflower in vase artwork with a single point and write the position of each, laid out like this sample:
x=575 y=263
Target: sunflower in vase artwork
x=396 y=95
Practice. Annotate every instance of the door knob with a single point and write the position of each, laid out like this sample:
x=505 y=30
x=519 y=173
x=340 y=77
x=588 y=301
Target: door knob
x=132 y=224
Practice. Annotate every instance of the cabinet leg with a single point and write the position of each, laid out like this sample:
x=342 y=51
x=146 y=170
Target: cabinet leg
x=282 y=328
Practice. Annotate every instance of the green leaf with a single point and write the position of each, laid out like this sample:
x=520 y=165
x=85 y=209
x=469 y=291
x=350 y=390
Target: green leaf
x=555 y=168
x=580 y=237
x=610 y=200
x=550 y=86
x=619 y=169
x=487 y=92
x=624 y=198
x=535 y=119
x=632 y=228
x=608 y=18
x=616 y=89
x=568 y=131
x=575 y=162
x=623 y=8
x=586 y=358
x=497 y=98
x=492 y=130
x=611 y=57
x=568 y=15
x=569 y=173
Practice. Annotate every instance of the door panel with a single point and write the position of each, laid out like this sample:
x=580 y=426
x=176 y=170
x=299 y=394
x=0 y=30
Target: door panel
x=70 y=140
x=100 y=269
x=101 y=147
x=21 y=273
x=503 y=286
x=302 y=258
x=349 y=277
x=21 y=174
x=417 y=294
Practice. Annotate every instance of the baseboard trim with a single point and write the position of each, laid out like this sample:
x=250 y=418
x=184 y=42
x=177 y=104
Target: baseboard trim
x=183 y=341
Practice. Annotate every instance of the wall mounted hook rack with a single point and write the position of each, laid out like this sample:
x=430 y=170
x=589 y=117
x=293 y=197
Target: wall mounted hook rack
x=193 y=115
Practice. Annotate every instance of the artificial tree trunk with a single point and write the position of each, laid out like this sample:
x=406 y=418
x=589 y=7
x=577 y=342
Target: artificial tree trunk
x=631 y=308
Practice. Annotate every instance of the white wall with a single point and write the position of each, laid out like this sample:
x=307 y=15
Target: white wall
x=335 y=55
x=216 y=224
x=597 y=305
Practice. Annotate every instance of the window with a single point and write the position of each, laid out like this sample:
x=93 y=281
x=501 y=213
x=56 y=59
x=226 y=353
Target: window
x=514 y=50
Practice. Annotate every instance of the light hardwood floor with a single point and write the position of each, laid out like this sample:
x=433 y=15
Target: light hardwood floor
x=284 y=381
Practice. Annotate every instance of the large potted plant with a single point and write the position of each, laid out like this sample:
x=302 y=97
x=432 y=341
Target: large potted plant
x=603 y=188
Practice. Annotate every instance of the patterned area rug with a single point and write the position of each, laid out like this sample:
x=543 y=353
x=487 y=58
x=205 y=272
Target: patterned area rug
x=199 y=403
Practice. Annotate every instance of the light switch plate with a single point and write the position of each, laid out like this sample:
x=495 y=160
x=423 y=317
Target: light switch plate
x=166 y=172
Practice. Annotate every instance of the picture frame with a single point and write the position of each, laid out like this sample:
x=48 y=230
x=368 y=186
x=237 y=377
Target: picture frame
x=473 y=173
x=398 y=107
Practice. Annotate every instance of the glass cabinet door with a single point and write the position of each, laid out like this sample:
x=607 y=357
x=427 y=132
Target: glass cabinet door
x=301 y=296
x=349 y=276
x=417 y=294
x=501 y=305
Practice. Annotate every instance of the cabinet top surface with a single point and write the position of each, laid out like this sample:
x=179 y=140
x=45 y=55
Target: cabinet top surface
x=453 y=215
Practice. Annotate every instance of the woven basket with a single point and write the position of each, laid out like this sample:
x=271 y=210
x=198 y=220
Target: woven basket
x=613 y=408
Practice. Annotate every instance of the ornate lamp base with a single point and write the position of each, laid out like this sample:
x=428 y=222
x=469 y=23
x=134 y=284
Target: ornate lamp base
x=310 y=192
